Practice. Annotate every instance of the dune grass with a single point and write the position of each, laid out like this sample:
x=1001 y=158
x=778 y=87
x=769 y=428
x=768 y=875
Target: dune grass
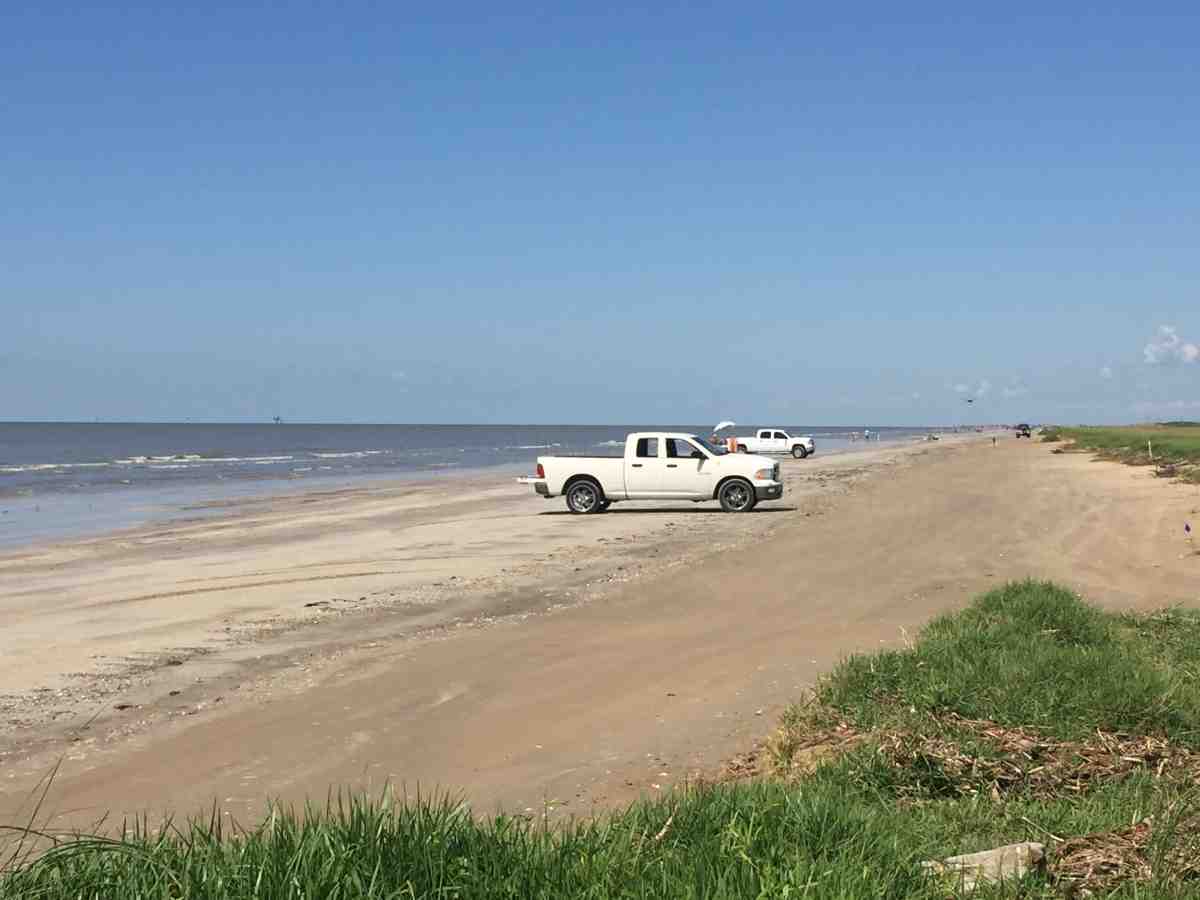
x=1034 y=654
x=855 y=825
x=1176 y=442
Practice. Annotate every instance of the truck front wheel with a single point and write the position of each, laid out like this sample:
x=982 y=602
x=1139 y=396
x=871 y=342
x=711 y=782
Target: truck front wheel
x=737 y=495
x=585 y=497
x=799 y=452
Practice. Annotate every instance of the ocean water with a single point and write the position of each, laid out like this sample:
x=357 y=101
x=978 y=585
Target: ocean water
x=62 y=479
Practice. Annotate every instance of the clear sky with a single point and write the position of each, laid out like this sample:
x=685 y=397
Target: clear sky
x=481 y=212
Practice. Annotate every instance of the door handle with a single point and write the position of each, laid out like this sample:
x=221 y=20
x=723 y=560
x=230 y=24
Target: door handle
x=636 y=465
x=672 y=466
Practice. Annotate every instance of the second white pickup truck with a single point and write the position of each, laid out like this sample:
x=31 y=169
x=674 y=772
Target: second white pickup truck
x=775 y=440
x=659 y=465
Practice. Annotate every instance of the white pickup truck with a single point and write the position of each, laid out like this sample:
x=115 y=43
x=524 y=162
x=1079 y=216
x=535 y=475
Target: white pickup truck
x=773 y=440
x=658 y=465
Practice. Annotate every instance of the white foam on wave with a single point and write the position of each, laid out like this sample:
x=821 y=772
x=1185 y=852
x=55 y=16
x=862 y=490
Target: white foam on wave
x=351 y=454
x=257 y=460
x=611 y=444
x=195 y=459
x=47 y=467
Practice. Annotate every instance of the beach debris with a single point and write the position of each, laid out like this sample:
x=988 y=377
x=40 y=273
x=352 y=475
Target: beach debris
x=1012 y=861
x=1098 y=863
x=123 y=706
x=1102 y=861
x=742 y=766
x=1031 y=762
x=1021 y=759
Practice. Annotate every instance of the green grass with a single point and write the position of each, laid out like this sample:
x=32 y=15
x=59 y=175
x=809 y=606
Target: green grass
x=857 y=827
x=1035 y=654
x=1177 y=442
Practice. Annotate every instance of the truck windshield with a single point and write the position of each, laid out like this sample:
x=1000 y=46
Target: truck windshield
x=715 y=451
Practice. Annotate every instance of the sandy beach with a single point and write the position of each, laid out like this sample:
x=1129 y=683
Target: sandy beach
x=469 y=636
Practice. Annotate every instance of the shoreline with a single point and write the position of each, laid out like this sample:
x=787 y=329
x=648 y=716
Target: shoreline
x=134 y=508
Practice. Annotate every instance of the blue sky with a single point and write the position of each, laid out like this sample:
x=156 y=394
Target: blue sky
x=598 y=213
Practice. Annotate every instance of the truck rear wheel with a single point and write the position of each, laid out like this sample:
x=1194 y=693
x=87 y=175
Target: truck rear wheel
x=737 y=495
x=584 y=497
x=798 y=452
x=742 y=448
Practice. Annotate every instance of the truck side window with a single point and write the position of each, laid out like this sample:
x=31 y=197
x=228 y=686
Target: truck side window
x=780 y=436
x=678 y=448
x=764 y=435
x=647 y=448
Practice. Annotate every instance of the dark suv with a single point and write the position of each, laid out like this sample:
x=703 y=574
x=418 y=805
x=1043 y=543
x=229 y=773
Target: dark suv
x=1024 y=431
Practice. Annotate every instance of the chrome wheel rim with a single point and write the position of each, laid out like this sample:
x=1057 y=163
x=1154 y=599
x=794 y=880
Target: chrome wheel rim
x=583 y=498
x=737 y=496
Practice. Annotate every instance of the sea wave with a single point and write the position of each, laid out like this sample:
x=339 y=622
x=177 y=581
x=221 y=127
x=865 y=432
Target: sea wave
x=258 y=460
x=353 y=454
x=195 y=459
x=49 y=466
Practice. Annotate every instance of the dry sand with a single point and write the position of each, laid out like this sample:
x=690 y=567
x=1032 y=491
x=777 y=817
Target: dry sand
x=473 y=637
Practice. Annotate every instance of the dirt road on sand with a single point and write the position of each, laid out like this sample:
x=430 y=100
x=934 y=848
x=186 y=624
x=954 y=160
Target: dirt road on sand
x=656 y=679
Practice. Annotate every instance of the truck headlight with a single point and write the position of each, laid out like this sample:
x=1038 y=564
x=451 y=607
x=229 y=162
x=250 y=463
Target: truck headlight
x=765 y=474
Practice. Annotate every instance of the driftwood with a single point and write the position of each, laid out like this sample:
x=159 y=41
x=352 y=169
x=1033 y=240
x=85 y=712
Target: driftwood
x=989 y=866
